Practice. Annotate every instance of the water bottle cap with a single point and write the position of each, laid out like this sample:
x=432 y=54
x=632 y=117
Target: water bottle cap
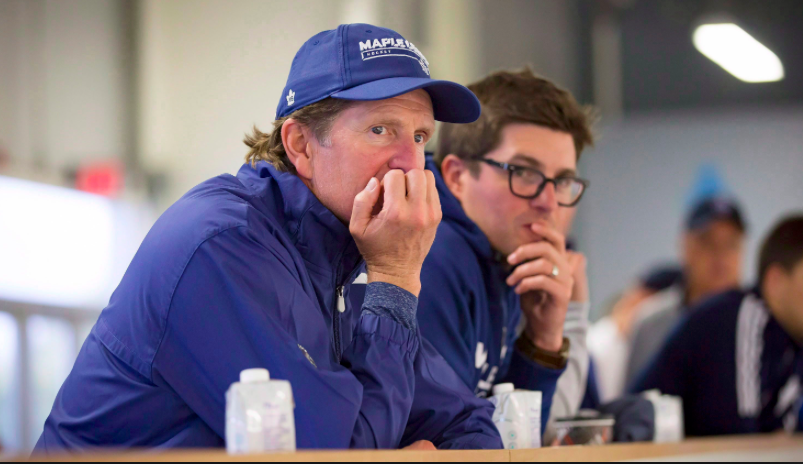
x=254 y=375
x=503 y=388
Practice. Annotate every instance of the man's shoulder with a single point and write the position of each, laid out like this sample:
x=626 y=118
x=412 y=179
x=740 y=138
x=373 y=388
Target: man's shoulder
x=215 y=206
x=712 y=323
x=451 y=246
x=452 y=255
x=453 y=283
x=717 y=312
x=218 y=211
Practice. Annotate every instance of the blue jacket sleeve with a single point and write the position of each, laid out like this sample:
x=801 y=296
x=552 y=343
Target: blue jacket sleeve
x=228 y=314
x=800 y=418
x=445 y=315
x=529 y=375
x=445 y=411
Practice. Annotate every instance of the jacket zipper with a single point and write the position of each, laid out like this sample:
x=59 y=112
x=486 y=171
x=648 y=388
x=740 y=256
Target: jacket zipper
x=340 y=303
x=340 y=308
x=503 y=351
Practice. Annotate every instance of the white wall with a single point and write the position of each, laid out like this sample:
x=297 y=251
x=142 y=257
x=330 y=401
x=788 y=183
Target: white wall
x=542 y=33
x=64 y=94
x=210 y=70
x=643 y=169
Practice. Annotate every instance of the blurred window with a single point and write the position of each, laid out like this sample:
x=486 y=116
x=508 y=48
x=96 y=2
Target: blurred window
x=9 y=383
x=52 y=346
x=70 y=268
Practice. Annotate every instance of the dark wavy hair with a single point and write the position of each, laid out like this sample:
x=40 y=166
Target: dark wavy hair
x=509 y=97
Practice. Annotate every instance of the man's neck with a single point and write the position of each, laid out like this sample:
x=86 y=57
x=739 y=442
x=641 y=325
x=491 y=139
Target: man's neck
x=693 y=296
x=775 y=307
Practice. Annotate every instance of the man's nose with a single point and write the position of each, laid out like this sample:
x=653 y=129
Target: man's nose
x=547 y=201
x=407 y=156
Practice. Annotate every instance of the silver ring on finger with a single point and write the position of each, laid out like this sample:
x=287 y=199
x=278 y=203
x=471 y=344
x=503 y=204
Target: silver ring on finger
x=555 y=271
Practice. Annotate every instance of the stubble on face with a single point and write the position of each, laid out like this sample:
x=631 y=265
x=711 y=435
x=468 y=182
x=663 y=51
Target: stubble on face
x=504 y=218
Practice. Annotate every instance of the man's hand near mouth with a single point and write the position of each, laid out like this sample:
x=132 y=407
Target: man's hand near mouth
x=544 y=277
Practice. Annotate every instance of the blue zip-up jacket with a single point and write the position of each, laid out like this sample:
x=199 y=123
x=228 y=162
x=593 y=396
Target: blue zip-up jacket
x=247 y=272
x=468 y=311
x=736 y=369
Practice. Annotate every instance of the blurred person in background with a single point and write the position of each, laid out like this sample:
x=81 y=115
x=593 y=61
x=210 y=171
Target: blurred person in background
x=609 y=338
x=712 y=256
x=249 y=271
x=508 y=185
x=737 y=360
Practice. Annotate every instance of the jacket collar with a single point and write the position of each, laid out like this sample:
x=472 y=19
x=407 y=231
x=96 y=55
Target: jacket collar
x=454 y=214
x=773 y=326
x=324 y=243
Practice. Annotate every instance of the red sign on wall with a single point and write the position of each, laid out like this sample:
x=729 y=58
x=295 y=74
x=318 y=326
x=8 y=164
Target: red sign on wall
x=101 y=178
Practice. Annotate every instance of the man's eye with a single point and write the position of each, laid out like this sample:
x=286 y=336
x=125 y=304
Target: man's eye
x=528 y=176
x=565 y=182
x=419 y=138
x=521 y=173
x=379 y=130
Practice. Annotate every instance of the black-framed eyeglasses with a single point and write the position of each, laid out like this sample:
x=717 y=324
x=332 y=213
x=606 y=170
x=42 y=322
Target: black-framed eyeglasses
x=528 y=183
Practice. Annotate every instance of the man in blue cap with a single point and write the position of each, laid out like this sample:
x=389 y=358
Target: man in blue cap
x=713 y=253
x=249 y=271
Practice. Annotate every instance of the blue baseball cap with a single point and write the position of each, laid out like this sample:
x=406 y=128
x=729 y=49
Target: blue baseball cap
x=715 y=209
x=364 y=62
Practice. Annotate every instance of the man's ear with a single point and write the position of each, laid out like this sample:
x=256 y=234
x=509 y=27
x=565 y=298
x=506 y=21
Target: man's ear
x=773 y=283
x=452 y=170
x=296 y=141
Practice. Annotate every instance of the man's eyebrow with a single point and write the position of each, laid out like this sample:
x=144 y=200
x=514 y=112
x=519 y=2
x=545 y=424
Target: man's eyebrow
x=530 y=162
x=534 y=163
x=385 y=120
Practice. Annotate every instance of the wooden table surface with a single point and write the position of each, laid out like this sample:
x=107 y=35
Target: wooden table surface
x=770 y=447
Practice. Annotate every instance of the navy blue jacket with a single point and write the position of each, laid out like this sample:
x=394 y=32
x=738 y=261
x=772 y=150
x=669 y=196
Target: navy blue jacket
x=468 y=311
x=246 y=272
x=736 y=369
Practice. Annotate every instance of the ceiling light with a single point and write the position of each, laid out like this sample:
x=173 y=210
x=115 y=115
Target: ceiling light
x=736 y=51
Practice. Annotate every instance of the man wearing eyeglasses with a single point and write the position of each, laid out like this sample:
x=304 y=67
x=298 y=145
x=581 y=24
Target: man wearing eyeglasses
x=508 y=185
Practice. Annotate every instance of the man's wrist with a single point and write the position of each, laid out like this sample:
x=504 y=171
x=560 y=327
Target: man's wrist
x=387 y=300
x=577 y=313
x=551 y=342
x=409 y=282
x=549 y=359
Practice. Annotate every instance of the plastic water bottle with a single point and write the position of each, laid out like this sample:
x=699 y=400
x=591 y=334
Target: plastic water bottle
x=259 y=414
x=517 y=416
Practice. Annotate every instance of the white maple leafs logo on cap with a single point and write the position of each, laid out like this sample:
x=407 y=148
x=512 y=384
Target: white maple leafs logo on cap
x=392 y=47
x=291 y=98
